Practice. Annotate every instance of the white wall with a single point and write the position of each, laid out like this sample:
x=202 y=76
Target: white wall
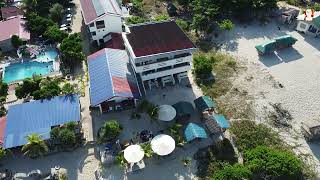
x=112 y=24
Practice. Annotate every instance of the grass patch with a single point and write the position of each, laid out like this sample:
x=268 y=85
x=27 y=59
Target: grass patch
x=224 y=69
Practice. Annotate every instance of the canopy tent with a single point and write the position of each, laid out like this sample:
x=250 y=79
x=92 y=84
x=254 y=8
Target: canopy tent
x=133 y=153
x=166 y=113
x=266 y=47
x=204 y=103
x=285 y=41
x=316 y=21
x=222 y=121
x=183 y=108
x=163 y=144
x=194 y=131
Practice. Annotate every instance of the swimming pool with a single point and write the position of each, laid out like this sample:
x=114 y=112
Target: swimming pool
x=42 y=65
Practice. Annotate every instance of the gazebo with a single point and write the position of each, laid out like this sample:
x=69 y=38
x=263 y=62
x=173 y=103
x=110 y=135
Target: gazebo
x=204 y=103
x=194 y=131
x=184 y=110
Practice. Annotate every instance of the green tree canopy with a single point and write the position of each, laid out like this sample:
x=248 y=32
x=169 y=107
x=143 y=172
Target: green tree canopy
x=55 y=34
x=204 y=13
x=49 y=88
x=110 y=130
x=37 y=24
x=35 y=147
x=3 y=89
x=233 y=172
x=2 y=153
x=68 y=88
x=268 y=163
x=56 y=12
x=162 y=17
x=202 y=65
x=28 y=86
x=16 y=41
x=72 y=50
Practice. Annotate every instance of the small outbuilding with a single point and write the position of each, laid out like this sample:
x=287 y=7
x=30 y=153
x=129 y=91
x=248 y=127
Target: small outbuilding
x=194 y=131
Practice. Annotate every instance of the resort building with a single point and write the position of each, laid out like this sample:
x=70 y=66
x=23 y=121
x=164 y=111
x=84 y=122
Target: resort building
x=10 y=11
x=309 y=22
x=160 y=53
x=113 y=85
x=13 y=26
x=101 y=18
x=37 y=117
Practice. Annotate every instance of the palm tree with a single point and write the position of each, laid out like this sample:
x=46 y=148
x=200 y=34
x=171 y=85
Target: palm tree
x=35 y=146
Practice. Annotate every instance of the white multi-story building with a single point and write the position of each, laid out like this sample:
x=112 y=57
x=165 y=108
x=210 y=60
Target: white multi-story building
x=160 y=52
x=101 y=18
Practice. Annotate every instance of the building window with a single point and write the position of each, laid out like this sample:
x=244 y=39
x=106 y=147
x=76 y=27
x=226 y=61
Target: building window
x=100 y=24
x=148 y=72
x=181 y=64
x=182 y=55
x=303 y=26
x=164 y=68
x=93 y=33
x=91 y=25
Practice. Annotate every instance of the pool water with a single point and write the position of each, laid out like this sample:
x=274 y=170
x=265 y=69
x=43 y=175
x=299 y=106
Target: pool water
x=27 y=69
x=24 y=70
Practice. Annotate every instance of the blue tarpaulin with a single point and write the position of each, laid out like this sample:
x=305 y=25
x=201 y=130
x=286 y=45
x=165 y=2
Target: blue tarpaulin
x=38 y=117
x=222 y=121
x=194 y=131
x=111 y=75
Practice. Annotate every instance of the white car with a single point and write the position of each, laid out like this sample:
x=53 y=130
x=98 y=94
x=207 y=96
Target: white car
x=69 y=16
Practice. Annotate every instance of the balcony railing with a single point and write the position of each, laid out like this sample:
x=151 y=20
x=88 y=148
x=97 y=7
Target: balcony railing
x=165 y=73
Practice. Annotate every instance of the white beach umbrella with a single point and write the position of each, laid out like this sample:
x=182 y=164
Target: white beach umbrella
x=133 y=153
x=163 y=144
x=166 y=113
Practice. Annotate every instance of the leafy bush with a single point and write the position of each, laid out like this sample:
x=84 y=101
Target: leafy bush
x=67 y=137
x=316 y=6
x=226 y=25
x=110 y=130
x=136 y=20
x=268 y=163
x=162 y=17
x=54 y=133
x=71 y=125
x=184 y=25
x=147 y=150
x=3 y=89
x=232 y=172
x=68 y=88
x=2 y=153
x=16 y=41
x=202 y=66
x=250 y=135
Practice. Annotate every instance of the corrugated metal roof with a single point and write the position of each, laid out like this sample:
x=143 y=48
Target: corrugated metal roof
x=38 y=117
x=203 y=103
x=92 y=9
x=194 y=131
x=222 y=121
x=110 y=75
x=2 y=129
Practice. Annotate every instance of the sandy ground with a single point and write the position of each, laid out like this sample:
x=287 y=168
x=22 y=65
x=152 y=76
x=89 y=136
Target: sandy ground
x=297 y=69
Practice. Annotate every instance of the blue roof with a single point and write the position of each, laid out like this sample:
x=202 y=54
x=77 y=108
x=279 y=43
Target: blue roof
x=222 y=121
x=111 y=75
x=38 y=117
x=194 y=131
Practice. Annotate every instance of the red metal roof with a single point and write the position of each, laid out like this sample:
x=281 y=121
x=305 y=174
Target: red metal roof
x=116 y=42
x=14 y=26
x=10 y=11
x=154 y=38
x=2 y=128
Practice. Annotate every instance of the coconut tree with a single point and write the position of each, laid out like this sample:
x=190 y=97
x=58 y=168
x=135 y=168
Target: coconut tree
x=35 y=146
